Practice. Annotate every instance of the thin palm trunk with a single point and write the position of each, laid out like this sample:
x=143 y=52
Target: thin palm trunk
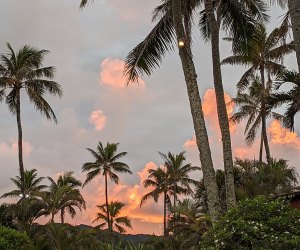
x=107 y=210
x=261 y=147
x=263 y=114
x=52 y=218
x=62 y=215
x=294 y=7
x=20 y=139
x=221 y=105
x=165 y=213
x=197 y=115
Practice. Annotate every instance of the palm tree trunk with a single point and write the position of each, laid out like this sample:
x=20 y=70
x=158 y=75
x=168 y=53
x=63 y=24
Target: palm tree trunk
x=263 y=115
x=107 y=210
x=294 y=7
x=190 y=75
x=221 y=105
x=20 y=139
x=261 y=147
x=52 y=217
x=62 y=213
x=165 y=213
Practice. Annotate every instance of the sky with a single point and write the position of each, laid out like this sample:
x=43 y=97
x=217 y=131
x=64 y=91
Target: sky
x=88 y=48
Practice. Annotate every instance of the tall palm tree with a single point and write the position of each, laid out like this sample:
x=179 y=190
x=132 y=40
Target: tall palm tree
x=290 y=97
x=115 y=223
x=23 y=70
x=30 y=186
x=66 y=179
x=106 y=162
x=178 y=174
x=264 y=54
x=250 y=108
x=158 y=179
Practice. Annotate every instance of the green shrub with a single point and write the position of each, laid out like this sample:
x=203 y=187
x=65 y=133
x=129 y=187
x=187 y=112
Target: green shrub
x=11 y=239
x=256 y=224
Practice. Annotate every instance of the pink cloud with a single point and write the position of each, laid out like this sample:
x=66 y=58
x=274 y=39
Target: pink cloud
x=12 y=147
x=111 y=73
x=209 y=107
x=98 y=118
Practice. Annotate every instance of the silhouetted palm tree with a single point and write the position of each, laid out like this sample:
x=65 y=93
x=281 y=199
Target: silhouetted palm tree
x=30 y=187
x=106 y=163
x=290 y=97
x=264 y=53
x=23 y=70
x=115 y=223
x=66 y=179
x=158 y=179
x=250 y=108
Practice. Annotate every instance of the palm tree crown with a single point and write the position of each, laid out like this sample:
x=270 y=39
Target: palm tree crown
x=117 y=223
x=31 y=187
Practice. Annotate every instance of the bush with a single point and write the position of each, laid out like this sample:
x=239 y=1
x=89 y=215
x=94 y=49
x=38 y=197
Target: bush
x=11 y=239
x=256 y=224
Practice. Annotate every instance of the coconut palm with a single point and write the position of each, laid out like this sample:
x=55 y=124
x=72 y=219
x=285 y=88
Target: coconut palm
x=190 y=223
x=178 y=174
x=61 y=198
x=106 y=163
x=158 y=179
x=294 y=6
x=290 y=97
x=66 y=179
x=30 y=187
x=250 y=107
x=23 y=70
x=264 y=54
x=116 y=223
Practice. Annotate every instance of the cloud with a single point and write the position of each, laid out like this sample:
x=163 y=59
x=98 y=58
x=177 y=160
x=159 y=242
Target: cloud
x=111 y=73
x=209 y=107
x=190 y=143
x=11 y=148
x=150 y=213
x=98 y=118
x=282 y=136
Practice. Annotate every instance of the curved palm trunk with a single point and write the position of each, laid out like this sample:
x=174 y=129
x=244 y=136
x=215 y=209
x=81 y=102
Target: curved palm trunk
x=20 y=139
x=165 y=213
x=294 y=7
x=221 y=105
x=107 y=211
x=190 y=75
x=263 y=115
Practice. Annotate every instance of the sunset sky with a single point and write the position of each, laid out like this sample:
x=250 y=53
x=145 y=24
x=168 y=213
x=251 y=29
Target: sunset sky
x=88 y=48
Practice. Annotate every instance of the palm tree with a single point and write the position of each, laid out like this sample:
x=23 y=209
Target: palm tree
x=250 y=107
x=190 y=224
x=294 y=6
x=115 y=223
x=60 y=198
x=106 y=161
x=23 y=70
x=264 y=53
x=178 y=174
x=290 y=97
x=158 y=179
x=30 y=187
x=66 y=179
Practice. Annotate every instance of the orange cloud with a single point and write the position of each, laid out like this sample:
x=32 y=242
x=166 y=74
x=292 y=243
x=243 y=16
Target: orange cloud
x=111 y=73
x=191 y=143
x=209 y=107
x=98 y=118
x=281 y=135
x=151 y=213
